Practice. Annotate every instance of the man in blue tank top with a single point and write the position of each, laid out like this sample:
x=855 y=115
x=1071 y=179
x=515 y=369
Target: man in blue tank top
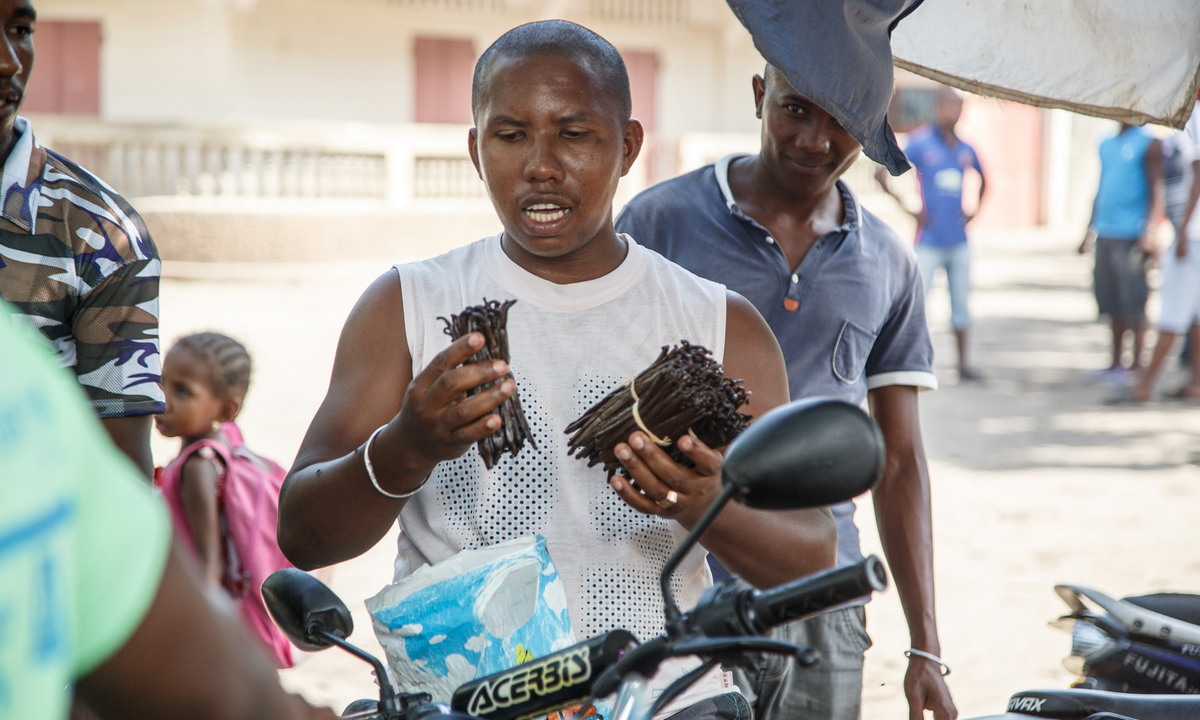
x=1129 y=201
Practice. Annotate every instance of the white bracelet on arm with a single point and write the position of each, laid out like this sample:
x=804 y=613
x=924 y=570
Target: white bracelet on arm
x=371 y=470
x=930 y=657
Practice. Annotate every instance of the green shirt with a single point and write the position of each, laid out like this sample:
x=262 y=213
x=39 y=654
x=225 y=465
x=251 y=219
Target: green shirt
x=83 y=540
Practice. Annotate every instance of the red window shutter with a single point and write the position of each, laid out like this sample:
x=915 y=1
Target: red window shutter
x=443 y=83
x=643 y=85
x=66 y=68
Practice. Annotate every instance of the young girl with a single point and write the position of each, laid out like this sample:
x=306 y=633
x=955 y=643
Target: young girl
x=223 y=498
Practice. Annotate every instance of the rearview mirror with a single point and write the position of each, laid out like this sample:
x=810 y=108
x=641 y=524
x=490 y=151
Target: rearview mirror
x=808 y=453
x=304 y=608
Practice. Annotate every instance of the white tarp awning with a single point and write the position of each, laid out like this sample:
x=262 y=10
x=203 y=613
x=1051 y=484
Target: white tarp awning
x=1129 y=60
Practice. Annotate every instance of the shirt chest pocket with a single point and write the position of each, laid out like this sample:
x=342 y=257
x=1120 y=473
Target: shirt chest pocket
x=850 y=352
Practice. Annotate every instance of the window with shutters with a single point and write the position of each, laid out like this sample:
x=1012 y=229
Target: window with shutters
x=444 y=66
x=66 y=69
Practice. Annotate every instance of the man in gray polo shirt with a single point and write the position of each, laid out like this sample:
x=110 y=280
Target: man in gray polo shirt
x=843 y=295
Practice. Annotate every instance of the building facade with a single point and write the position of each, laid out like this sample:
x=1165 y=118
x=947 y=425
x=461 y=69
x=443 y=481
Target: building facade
x=360 y=107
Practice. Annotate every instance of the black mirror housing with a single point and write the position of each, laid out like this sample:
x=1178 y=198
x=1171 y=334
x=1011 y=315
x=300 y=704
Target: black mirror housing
x=303 y=606
x=808 y=453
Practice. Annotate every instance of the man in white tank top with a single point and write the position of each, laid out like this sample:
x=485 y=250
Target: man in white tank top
x=553 y=137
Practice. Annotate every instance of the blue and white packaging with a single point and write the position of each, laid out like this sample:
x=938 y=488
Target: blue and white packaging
x=471 y=615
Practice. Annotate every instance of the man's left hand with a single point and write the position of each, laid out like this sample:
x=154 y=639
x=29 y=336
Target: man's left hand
x=657 y=485
x=926 y=689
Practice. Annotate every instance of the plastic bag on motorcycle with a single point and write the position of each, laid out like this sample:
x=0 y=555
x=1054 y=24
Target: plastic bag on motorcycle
x=476 y=613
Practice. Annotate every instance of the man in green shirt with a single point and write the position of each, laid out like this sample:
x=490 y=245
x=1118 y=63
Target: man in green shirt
x=91 y=590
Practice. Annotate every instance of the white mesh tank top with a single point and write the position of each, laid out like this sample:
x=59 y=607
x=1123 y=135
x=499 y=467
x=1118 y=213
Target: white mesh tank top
x=569 y=346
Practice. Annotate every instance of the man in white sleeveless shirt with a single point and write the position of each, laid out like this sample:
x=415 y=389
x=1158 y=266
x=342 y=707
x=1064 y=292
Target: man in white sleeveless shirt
x=553 y=136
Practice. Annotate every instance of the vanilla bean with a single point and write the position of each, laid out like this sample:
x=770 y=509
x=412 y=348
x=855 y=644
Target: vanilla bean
x=491 y=320
x=683 y=390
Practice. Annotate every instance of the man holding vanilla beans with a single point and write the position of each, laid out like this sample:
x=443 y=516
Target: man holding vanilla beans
x=394 y=436
x=843 y=295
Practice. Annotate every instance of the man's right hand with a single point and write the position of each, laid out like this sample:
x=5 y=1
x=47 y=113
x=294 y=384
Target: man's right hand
x=1148 y=243
x=438 y=421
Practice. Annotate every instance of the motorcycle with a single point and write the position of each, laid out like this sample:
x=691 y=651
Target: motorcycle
x=1138 y=659
x=806 y=454
x=1145 y=644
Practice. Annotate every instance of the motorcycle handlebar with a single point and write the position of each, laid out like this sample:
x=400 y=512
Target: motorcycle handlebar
x=733 y=610
x=808 y=596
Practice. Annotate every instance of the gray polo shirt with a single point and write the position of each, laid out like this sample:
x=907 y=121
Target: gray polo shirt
x=849 y=319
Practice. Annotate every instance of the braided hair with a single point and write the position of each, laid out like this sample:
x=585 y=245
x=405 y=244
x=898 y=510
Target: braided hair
x=228 y=361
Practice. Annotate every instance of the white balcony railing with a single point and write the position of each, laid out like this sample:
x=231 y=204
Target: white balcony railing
x=403 y=168
x=397 y=165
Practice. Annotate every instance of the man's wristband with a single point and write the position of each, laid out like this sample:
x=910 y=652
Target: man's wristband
x=930 y=657
x=371 y=471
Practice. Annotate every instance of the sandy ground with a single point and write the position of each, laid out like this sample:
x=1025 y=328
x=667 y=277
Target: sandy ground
x=1035 y=480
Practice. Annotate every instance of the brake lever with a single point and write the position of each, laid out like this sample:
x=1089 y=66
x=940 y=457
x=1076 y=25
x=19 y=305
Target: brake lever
x=409 y=706
x=717 y=647
x=726 y=650
x=643 y=658
x=682 y=683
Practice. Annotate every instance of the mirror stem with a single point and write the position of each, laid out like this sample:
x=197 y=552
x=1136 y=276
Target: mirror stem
x=389 y=703
x=671 y=608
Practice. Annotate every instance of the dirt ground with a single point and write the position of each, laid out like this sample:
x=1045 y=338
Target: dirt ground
x=1035 y=480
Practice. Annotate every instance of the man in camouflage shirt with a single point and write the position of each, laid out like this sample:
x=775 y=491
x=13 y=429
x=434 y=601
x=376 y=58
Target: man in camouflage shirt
x=77 y=261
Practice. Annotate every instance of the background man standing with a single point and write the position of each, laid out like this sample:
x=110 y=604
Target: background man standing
x=77 y=261
x=1128 y=204
x=843 y=296
x=1179 y=288
x=941 y=159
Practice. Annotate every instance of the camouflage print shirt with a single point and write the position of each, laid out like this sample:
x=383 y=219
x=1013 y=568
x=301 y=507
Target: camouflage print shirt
x=77 y=261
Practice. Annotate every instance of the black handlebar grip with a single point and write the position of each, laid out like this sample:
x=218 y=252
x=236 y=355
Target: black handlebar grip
x=813 y=593
x=545 y=684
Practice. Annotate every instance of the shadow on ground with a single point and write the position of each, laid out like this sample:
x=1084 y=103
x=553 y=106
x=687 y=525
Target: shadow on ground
x=1037 y=339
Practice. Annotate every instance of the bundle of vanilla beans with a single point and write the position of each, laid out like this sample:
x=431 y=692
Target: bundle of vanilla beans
x=683 y=391
x=491 y=319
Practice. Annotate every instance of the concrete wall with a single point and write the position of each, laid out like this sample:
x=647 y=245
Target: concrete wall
x=290 y=232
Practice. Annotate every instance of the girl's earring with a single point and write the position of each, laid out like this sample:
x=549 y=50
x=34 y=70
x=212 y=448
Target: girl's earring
x=216 y=425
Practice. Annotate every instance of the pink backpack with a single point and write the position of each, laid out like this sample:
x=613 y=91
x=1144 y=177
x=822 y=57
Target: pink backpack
x=249 y=508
